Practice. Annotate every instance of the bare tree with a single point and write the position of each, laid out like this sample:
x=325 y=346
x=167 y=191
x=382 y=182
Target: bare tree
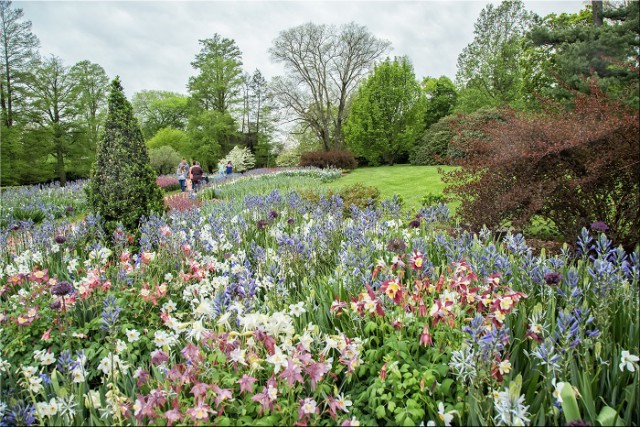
x=324 y=65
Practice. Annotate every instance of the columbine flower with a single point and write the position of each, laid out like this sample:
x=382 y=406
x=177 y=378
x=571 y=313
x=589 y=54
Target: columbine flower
x=628 y=360
x=343 y=403
x=278 y=360
x=445 y=417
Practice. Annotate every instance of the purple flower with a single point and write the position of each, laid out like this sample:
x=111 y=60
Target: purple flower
x=415 y=223
x=262 y=224
x=599 y=227
x=55 y=305
x=273 y=214
x=290 y=221
x=553 y=278
x=62 y=289
x=396 y=245
x=60 y=239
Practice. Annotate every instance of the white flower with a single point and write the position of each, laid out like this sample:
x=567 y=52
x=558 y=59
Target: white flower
x=4 y=365
x=133 y=335
x=35 y=384
x=628 y=360
x=308 y=406
x=47 y=409
x=78 y=375
x=238 y=356
x=445 y=417
x=557 y=389
x=120 y=346
x=278 y=360
x=343 y=403
x=297 y=309
x=47 y=359
x=272 y=393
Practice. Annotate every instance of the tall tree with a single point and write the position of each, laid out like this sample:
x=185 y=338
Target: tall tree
x=324 y=66
x=441 y=97
x=219 y=81
x=90 y=83
x=18 y=48
x=384 y=120
x=158 y=109
x=123 y=185
x=575 y=48
x=489 y=67
x=53 y=116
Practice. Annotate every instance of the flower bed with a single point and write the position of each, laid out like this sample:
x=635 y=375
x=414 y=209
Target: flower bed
x=273 y=310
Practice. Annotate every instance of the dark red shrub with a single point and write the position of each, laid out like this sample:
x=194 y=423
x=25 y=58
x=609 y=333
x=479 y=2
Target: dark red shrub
x=573 y=166
x=324 y=159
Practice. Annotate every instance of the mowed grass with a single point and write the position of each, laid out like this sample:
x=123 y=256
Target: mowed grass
x=412 y=183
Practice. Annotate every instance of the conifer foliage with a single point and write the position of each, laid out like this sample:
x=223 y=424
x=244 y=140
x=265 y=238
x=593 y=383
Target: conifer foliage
x=123 y=183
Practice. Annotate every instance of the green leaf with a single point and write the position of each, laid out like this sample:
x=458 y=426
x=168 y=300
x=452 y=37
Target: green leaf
x=380 y=412
x=391 y=406
x=569 y=403
x=607 y=416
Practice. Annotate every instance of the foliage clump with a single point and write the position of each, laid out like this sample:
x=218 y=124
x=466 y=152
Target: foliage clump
x=122 y=188
x=324 y=159
x=573 y=167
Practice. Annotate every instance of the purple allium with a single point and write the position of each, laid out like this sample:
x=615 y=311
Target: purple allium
x=553 y=278
x=62 y=289
x=599 y=227
x=60 y=239
x=55 y=305
x=290 y=221
x=396 y=245
x=273 y=215
x=262 y=224
x=415 y=223
x=15 y=226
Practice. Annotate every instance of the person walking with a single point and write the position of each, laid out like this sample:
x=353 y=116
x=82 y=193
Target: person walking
x=196 y=174
x=229 y=169
x=182 y=177
x=221 y=167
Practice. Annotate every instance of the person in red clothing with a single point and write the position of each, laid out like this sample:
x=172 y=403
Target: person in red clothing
x=196 y=173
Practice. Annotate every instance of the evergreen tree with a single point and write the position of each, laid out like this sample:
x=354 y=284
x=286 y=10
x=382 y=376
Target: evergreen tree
x=123 y=184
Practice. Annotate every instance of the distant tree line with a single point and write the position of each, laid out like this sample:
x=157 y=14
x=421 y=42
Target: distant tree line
x=340 y=91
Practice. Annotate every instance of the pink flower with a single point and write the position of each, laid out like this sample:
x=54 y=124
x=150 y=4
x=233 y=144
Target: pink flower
x=316 y=371
x=201 y=411
x=425 y=338
x=191 y=353
x=222 y=394
x=172 y=416
x=200 y=389
x=246 y=383
x=291 y=373
x=158 y=357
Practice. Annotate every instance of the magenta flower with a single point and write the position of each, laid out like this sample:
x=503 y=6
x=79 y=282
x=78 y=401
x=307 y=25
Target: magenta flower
x=246 y=383
x=158 y=357
x=201 y=412
x=191 y=353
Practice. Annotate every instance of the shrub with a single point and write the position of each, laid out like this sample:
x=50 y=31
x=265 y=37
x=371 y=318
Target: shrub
x=573 y=167
x=440 y=143
x=242 y=159
x=324 y=159
x=123 y=184
x=288 y=158
x=357 y=194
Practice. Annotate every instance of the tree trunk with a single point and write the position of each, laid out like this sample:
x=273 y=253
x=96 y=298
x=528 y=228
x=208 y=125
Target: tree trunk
x=597 y=8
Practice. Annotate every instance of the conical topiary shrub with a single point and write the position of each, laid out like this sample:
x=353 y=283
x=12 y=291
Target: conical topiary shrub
x=123 y=185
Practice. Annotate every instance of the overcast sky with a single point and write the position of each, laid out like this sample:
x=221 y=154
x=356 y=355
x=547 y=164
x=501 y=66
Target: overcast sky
x=150 y=44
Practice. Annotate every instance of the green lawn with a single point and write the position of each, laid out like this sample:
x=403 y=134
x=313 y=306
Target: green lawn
x=410 y=182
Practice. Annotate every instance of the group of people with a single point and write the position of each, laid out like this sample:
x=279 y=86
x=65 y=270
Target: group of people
x=190 y=178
